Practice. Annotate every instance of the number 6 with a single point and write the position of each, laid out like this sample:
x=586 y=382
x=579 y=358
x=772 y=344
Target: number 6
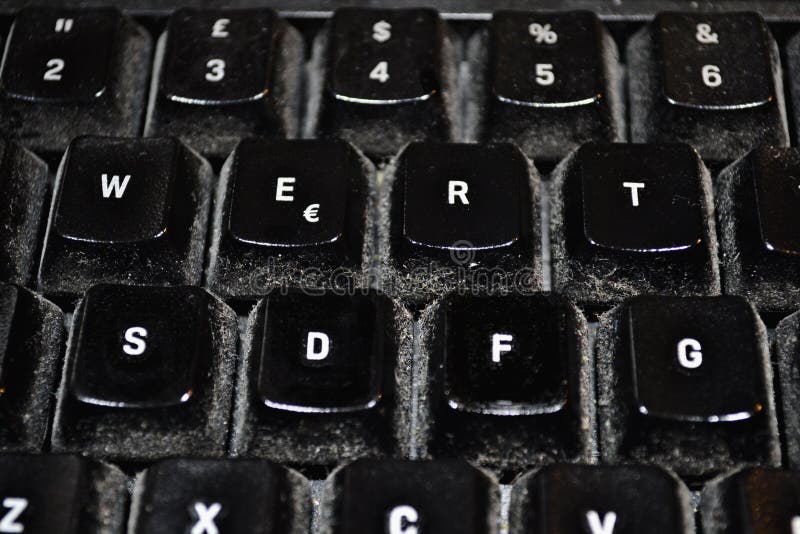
x=711 y=76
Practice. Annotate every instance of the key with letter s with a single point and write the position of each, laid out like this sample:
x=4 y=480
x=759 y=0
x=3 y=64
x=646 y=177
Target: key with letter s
x=149 y=374
x=711 y=80
x=222 y=75
x=386 y=77
x=70 y=72
x=686 y=383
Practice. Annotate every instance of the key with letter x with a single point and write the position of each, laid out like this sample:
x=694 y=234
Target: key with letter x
x=631 y=219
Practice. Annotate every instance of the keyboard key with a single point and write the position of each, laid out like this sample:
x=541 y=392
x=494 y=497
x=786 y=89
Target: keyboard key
x=757 y=201
x=31 y=339
x=551 y=82
x=126 y=211
x=752 y=500
x=149 y=374
x=632 y=219
x=319 y=365
x=226 y=74
x=787 y=370
x=23 y=187
x=53 y=90
x=60 y=493
x=461 y=216
x=711 y=80
x=577 y=499
x=508 y=379
x=398 y=496
x=389 y=78
x=292 y=213
x=212 y=496
x=685 y=383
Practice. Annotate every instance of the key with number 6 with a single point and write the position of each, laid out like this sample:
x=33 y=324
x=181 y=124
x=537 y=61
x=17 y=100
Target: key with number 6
x=712 y=80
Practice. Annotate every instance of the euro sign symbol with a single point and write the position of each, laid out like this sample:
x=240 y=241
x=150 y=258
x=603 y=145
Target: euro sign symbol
x=380 y=31
x=310 y=213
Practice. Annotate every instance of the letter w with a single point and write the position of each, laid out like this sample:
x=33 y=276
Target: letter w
x=113 y=185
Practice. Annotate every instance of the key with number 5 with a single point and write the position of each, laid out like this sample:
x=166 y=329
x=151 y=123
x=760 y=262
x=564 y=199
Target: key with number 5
x=224 y=75
x=710 y=80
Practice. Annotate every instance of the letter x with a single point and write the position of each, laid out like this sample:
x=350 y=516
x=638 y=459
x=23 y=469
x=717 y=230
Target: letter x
x=205 y=518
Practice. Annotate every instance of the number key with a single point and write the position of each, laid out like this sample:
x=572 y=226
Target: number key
x=707 y=79
x=224 y=75
x=550 y=82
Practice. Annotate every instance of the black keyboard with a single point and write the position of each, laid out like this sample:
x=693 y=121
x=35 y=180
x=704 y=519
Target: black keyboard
x=319 y=267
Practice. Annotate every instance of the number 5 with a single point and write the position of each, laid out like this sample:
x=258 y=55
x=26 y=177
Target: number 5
x=544 y=74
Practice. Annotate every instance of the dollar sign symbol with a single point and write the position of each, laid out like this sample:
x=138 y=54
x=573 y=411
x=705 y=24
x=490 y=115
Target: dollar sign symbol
x=380 y=31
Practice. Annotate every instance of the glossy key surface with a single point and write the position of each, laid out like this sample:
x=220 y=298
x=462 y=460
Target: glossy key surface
x=776 y=176
x=238 y=496
x=117 y=191
x=141 y=348
x=641 y=198
x=715 y=61
x=47 y=60
x=392 y=495
x=578 y=499
x=695 y=359
x=219 y=57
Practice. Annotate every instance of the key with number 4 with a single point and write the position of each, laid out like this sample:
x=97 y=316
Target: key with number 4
x=387 y=77
x=545 y=81
x=71 y=72
x=222 y=75
x=685 y=382
x=712 y=80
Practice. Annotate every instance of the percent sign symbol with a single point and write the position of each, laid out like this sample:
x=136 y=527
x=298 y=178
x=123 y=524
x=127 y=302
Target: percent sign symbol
x=543 y=33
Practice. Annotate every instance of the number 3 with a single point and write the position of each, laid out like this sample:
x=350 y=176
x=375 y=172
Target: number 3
x=216 y=70
x=54 y=68
x=544 y=74
x=380 y=72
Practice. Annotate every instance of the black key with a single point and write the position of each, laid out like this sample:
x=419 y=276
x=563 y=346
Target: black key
x=212 y=496
x=289 y=209
x=60 y=493
x=632 y=219
x=31 y=338
x=23 y=186
x=458 y=211
x=149 y=374
x=551 y=82
x=126 y=211
x=318 y=364
x=711 y=80
x=389 y=78
x=578 y=499
x=402 y=497
x=787 y=368
x=69 y=72
x=757 y=203
x=506 y=377
x=753 y=500
x=224 y=75
x=685 y=383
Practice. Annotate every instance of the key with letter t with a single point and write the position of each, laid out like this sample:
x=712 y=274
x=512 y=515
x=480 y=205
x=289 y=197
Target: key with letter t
x=632 y=219
x=687 y=385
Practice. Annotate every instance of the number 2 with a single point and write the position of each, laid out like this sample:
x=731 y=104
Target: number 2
x=544 y=74
x=380 y=72
x=54 y=68
x=216 y=70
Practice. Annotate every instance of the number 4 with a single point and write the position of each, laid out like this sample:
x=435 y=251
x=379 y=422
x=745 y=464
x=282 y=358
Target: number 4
x=380 y=72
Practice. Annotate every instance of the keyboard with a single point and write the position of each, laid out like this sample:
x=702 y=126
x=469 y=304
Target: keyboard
x=324 y=267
